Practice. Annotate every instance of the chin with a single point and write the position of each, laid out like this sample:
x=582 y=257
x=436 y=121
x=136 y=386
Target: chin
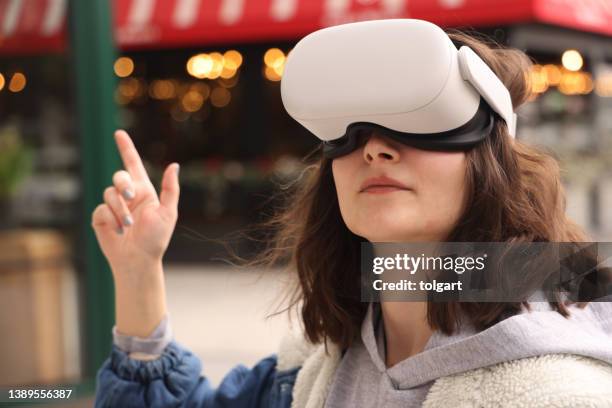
x=396 y=218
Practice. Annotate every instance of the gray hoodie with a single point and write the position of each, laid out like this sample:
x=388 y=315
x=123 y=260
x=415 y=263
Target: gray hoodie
x=362 y=380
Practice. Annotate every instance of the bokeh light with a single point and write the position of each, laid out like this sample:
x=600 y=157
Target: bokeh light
x=17 y=83
x=162 y=89
x=233 y=60
x=124 y=67
x=220 y=97
x=572 y=60
x=217 y=66
x=553 y=74
x=274 y=60
x=200 y=65
x=192 y=101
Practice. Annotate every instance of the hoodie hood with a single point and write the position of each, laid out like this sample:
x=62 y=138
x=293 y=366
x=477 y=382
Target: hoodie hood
x=586 y=332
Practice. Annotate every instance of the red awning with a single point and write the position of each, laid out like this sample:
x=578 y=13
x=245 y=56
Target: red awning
x=32 y=26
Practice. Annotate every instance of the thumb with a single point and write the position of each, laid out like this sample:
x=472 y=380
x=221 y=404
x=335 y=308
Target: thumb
x=170 y=189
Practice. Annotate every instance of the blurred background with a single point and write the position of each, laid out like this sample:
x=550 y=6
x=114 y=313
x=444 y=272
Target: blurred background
x=198 y=82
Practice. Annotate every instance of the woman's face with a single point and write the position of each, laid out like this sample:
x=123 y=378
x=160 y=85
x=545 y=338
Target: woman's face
x=426 y=210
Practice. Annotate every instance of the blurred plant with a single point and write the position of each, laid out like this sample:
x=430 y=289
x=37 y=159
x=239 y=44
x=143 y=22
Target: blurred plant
x=15 y=160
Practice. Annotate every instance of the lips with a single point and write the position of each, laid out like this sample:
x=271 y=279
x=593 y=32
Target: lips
x=382 y=181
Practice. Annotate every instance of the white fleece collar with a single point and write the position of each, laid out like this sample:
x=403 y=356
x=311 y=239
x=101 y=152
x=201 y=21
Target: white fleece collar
x=316 y=375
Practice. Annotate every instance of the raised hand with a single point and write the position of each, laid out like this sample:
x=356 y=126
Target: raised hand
x=133 y=225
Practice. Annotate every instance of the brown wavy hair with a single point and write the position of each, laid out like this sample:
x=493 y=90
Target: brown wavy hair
x=514 y=193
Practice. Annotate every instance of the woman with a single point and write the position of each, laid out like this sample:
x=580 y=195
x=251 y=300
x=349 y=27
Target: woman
x=353 y=353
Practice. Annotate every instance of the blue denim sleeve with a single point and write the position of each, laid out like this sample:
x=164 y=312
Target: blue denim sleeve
x=174 y=380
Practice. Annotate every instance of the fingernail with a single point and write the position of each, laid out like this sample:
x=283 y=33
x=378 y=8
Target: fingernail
x=128 y=194
x=120 y=230
x=127 y=220
x=178 y=167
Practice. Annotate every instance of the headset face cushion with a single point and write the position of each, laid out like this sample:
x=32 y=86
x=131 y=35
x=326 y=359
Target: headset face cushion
x=462 y=138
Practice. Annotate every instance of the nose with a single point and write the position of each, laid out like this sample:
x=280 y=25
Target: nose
x=378 y=148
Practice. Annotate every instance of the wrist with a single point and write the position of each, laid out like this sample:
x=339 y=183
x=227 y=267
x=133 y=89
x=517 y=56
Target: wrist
x=140 y=298
x=137 y=272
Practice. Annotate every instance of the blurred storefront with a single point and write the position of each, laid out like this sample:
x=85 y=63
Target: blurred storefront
x=199 y=84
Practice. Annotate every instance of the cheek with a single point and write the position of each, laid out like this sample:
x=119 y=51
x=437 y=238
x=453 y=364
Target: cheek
x=343 y=170
x=341 y=174
x=338 y=173
x=443 y=180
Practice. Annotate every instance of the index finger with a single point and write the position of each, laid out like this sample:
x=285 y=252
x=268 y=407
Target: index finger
x=129 y=155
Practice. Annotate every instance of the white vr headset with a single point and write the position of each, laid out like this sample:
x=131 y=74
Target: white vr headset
x=403 y=78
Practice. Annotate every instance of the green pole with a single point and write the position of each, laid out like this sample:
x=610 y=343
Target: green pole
x=93 y=53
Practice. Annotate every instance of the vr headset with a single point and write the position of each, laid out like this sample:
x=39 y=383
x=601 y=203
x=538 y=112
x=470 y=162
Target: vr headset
x=403 y=78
